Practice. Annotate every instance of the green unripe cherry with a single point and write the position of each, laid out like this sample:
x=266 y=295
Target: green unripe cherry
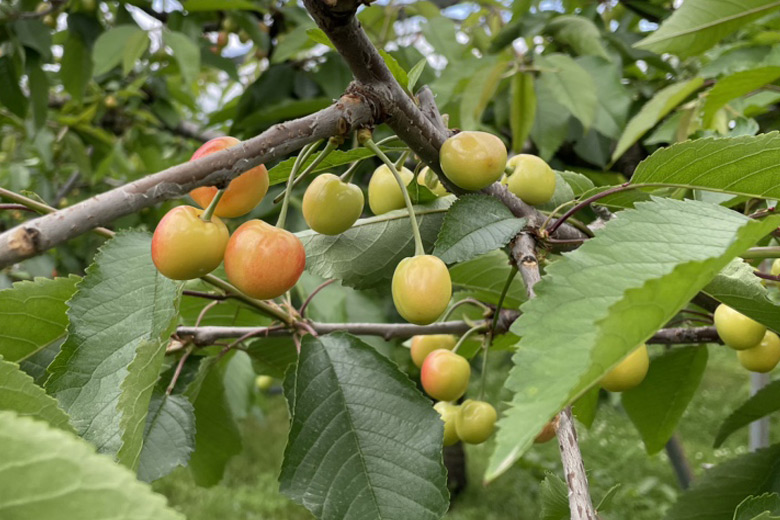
x=421 y=288
x=476 y=421
x=428 y=178
x=764 y=357
x=532 y=180
x=737 y=330
x=775 y=271
x=330 y=205
x=629 y=372
x=473 y=160
x=384 y=194
x=448 y=413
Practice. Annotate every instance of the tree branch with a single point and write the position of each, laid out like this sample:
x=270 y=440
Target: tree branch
x=38 y=235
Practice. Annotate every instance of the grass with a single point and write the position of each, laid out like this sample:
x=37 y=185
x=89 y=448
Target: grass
x=612 y=450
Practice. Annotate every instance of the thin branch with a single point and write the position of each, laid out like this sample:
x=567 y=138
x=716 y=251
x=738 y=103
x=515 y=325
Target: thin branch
x=686 y=335
x=43 y=233
x=15 y=207
x=320 y=287
x=429 y=108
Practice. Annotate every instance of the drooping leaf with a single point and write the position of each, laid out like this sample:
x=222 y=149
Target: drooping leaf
x=658 y=403
x=135 y=48
x=614 y=99
x=579 y=33
x=699 y=24
x=570 y=84
x=717 y=493
x=366 y=254
x=474 y=225
x=35 y=35
x=75 y=66
x=18 y=393
x=484 y=278
x=734 y=86
x=49 y=474
x=604 y=299
x=760 y=404
x=169 y=436
x=522 y=109
x=186 y=53
x=111 y=46
x=762 y=507
x=346 y=459
x=396 y=69
x=551 y=124
x=38 y=83
x=746 y=165
x=120 y=318
x=653 y=111
x=11 y=94
x=479 y=91
x=33 y=315
x=440 y=33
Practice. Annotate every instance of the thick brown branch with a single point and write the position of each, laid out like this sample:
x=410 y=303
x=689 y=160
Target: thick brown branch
x=40 y=234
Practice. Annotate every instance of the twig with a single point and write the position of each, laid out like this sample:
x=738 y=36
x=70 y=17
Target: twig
x=16 y=207
x=302 y=310
x=588 y=202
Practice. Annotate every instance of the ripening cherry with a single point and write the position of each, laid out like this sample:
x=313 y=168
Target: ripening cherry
x=330 y=205
x=424 y=345
x=264 y=261
x=445 y=375
x=547 y=433
x=476 y=421
x=532 y=180
x=384 y=193
x=428 y=178
x=629 y=372
x=242 y=194
x=473 y=160
x=737 y=330
x=763 y=357
x=448 y=412
x=421 y=288
x=185 y=247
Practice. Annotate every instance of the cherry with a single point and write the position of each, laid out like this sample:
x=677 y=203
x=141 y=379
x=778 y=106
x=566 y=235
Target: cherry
x=384 y=194
x=548 y=432
x=428 y=178
x=448 y=413
x=629 y=372
x=445 y=375
x=473 y=160
x=532 y=180
x=421 y=288
x=185 y=247
x=737 y=330
x=775 y=271
x=242 y=194
x=264 y=261
x=264 y=382
x=330 y=205
x=476 y=421
x=763 y=357
x=424 y=345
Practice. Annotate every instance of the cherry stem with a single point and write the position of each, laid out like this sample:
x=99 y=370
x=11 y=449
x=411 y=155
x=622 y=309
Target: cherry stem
x=206 y=215
x=465 y=301
x=762 y=252
x=401 y=159
x=466 y=335
x=497 y=313
x=300 y=160
x=483 y=377
x=177 y=372
x=350 y=172
x=320 y=287
x=587 y=202
x=765 y=276
x=418 y=244
x=333 y=143
x=16 y=207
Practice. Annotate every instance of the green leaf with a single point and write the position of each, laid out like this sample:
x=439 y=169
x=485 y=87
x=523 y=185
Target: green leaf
x=135 y=48
x=319 y=36
x=34 y=35
x=33 y=315
x=419 y=193
x=653 y=111
x=734 y=86
x=186 y=53
x=293 y=42
x=217 y=438
x=120 y=319
x=551 y=124
x=75 y=66
x=484 y=278
x=396 y=69
x=718 y=492
x=614 y=100
x=599 y=302
x=585 y=408
x=347 y=460
x=48 y=474
x=366 y=254
x=522 y=108
x=169 y=436
x=746 y=165
x=570 y=84
x=18 y=393
x=112 y=45
x=763 y=507
x=272 y=356
x=11 y=94
x=440 y=33
x=479 y=91
x=219 y=5
x=38 y=83
x=554 y=495
x=699 y=24
x=760 y=404
x=415 y=73
x=578 y=183
x=738 y=287
x=658 y=403
x=579 y=33
x=474 y=225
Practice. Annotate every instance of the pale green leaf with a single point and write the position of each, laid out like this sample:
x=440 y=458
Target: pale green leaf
x=18 y=393
x=658 y=403
x=484 y=278
x=414 y=74
x=396 y=69
x=764 y=402
x=579 y=33
x=474 y=225
x=614 y=99
x=349 y=460
x=551 y=124
x=602 y=300
x=479 y=91
x=111 y=46
x=75 y=66
x=554 y=495
x=319 y=36
x=570 y=84
x=699 y=24
x=440 y=33
x=48 y=474
x=33 y=316
x=135 y=48
x=186 y=53
x=169 y=436
x=653 y=111
x=734 y=86
x=522 y=109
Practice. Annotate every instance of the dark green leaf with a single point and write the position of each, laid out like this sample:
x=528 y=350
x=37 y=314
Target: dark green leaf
x=34 y=35
x=396 y=70
x=484 y=278
x=10 y=93
x=76 y=66
x=219 y=5
x=760 y=404
x=763 y=507
x=570 y=84
x=39 y=90
x=554 y=496
x=169 y=436
x=111 y=46
x=186 y=53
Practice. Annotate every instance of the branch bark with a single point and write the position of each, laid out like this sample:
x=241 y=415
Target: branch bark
x=38 y=235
